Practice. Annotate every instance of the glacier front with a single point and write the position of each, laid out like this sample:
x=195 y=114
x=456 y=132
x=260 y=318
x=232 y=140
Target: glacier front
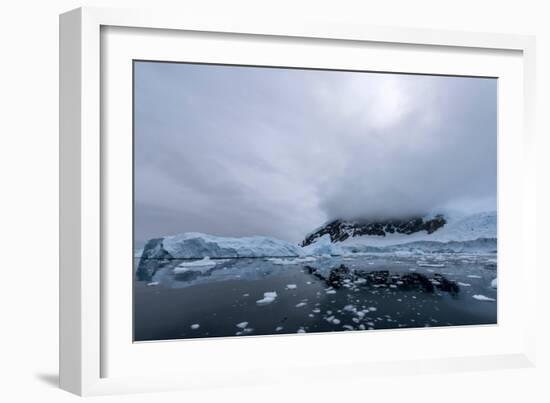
x=194 y=245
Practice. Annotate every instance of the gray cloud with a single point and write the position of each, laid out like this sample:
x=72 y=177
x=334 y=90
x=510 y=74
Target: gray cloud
x=238 y=151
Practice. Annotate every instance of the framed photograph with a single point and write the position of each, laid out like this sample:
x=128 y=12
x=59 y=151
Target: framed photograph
x=238 y=197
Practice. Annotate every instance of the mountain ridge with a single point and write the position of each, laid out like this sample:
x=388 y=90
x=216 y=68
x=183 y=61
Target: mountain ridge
x=438 y=228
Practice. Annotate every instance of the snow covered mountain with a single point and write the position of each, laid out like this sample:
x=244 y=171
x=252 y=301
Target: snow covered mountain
x=352 y=235
x=475 y=233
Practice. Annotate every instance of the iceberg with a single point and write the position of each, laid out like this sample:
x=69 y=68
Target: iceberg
x=194 y=245
x=323 y=246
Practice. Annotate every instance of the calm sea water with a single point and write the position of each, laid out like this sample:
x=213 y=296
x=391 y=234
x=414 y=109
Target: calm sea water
x=368 y=293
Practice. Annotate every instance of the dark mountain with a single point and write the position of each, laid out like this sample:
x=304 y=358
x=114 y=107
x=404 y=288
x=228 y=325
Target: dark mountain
x=340 y=230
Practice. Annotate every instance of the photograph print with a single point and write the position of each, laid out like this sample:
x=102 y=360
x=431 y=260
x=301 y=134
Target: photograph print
x=273 y=200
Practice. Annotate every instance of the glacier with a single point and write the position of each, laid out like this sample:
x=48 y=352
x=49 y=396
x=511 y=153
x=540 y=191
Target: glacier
x=193 y=245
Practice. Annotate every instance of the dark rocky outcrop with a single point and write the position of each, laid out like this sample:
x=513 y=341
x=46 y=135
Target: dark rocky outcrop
x=343 y=276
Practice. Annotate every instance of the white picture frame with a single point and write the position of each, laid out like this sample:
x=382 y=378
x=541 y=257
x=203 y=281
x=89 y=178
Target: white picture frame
x=88 y=335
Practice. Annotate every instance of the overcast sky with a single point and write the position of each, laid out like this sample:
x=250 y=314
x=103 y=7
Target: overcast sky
x=239 y=151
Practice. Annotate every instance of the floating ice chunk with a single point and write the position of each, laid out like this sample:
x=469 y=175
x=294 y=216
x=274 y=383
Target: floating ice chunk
x=463 y=284
x=348 y=327
x=494 y=283
x=152 y=283
x=268 y=298
x=473 y=276
x=426 y=264
x=291 y=286
x=202 y=265
x=301 y=304
x=242 y=325
x=195 y=326
x=278 y=328
x=372 y=308
x=336 y=321
x=330 y=291
x=301 y=330
x=480 y=297
x=282 y=262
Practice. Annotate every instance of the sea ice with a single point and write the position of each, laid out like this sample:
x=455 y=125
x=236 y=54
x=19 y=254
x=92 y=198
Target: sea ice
x=195 y=326
x=494 y=283
x=426 y=264
x=480 y=297
x=242 y=325
x=268 y=298
x=284 y=262
x=202 y=265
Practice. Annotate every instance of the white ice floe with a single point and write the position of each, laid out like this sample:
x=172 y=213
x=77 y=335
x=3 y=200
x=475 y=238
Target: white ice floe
x=426 y=264
x=463 y=284
x=291 y=286
x=284 y=262
x=301 y=330
x=268 y=298
x=202 y=265
x=480 y=297
x=152 y=283
x=301 y=304
x=195 y=326
x=278 y=328
x=336 y=321
x=494 y=283
x=242 y=325
x=473 y=276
